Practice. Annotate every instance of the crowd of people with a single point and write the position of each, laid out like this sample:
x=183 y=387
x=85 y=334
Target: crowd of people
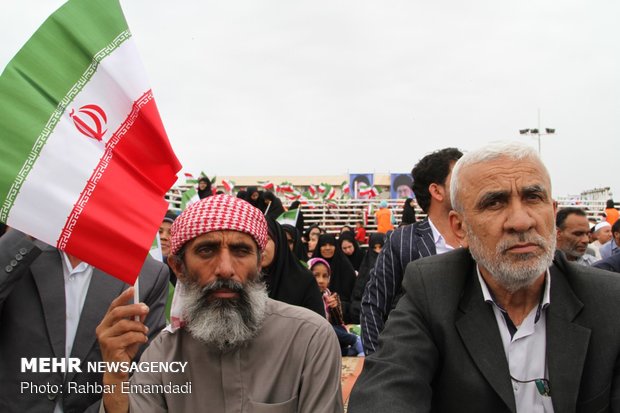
x=494 y=301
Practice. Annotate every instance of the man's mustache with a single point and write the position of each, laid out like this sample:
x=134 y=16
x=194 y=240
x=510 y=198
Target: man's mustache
x=522 y=238
x=221 y=284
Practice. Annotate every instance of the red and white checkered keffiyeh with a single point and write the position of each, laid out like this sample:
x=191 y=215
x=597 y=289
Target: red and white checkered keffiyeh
x=218 y=213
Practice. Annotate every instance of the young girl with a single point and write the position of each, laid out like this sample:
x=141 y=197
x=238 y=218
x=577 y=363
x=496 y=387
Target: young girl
x=350 y=344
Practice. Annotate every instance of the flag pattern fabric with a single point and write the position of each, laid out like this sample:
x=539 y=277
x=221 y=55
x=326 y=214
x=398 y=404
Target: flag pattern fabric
x=189 y=197
x=288 y=217
x=85 y=157
x=228 y=185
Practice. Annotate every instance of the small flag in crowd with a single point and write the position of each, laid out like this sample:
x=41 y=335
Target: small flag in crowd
x=289 y=217
x=312 y=191
x=189 y=197
x=331 y=193
x=228 y=185
x=287 y=187
x=189 y=179
x=346 y=189
x=85 y=157
x=155 y=250
x=269 y=186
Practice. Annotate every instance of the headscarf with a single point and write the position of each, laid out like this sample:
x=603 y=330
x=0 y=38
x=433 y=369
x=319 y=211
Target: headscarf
x=203 y=193
x=242 y=195
x=368 y=264
x=299 y=250
x=408 y=216
x=358 y=255
x=287 y=279
x=258 y=202
x=274 y=208
x=343 y=274
x=335 y=314
x=300 y=216
x=310 y=228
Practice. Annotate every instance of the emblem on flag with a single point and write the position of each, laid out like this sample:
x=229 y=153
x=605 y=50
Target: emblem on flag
x=90 y=121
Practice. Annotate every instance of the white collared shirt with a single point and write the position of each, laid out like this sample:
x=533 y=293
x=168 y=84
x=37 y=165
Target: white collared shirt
x=440 y=242
x=526 y=350
x=77 y=281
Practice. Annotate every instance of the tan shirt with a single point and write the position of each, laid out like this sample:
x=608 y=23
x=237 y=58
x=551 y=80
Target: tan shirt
x=293 y=365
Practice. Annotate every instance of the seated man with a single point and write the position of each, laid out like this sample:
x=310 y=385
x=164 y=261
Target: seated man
x=500 y=325
x=612 y=246
x=573 y=235
x=245 y=352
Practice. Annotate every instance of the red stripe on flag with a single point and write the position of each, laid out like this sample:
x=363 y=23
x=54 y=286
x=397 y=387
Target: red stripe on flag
x=115 y=221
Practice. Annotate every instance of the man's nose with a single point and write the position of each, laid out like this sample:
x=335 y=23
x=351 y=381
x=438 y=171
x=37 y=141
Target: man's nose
x=224 y=267
x=519 y=218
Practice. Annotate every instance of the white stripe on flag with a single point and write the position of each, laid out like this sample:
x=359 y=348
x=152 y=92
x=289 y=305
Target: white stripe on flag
x=69 y=158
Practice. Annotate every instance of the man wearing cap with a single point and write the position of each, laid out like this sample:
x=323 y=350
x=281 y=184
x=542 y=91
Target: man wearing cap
x=601 y=233
x=245 y=352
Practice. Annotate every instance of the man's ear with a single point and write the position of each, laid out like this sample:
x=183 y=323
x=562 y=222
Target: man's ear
x=458 y=227
x=261 y=258
x=437 y=192
x=177 y=266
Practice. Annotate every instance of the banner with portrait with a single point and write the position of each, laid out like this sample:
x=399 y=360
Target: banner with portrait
x=400 y=186
x=360 y=181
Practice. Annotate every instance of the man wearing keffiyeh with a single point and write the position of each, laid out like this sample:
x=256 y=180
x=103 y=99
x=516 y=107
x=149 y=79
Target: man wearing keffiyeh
x=242 y=348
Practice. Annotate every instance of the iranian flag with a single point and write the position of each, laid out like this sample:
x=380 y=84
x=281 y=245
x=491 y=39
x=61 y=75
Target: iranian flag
x=85 y=158
x=189 y=179
x=331 y=193
x=312 y=191
x=228 y=185
x=346 y=189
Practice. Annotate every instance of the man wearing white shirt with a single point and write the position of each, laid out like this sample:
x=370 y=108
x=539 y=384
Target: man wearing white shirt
x=431 y=185
x=50 y=305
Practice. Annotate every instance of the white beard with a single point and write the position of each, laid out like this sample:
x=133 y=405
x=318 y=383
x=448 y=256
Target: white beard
x=514 y=271
x=225 y=323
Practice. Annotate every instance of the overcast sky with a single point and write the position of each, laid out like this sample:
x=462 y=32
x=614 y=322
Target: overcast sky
x=312 y=87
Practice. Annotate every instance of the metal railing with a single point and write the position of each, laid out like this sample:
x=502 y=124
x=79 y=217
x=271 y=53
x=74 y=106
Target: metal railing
x=333 y=215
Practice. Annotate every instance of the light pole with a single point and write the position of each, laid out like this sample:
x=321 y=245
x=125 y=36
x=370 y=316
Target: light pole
x=537 y=132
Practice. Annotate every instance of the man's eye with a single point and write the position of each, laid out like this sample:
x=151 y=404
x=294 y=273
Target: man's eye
x=204 y=250
x=492 y=204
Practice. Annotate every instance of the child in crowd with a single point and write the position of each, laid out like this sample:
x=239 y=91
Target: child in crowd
x=360 y=232
x=350 y=344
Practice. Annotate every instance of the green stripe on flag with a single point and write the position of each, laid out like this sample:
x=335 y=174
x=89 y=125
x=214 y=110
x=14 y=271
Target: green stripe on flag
x=45 y=76
x=189 y=197
x=288 y=217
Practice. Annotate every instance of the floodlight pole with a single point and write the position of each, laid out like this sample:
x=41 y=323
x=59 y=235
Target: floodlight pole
x=537 y=132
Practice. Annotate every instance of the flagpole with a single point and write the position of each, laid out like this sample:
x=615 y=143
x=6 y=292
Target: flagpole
x=136 y=295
